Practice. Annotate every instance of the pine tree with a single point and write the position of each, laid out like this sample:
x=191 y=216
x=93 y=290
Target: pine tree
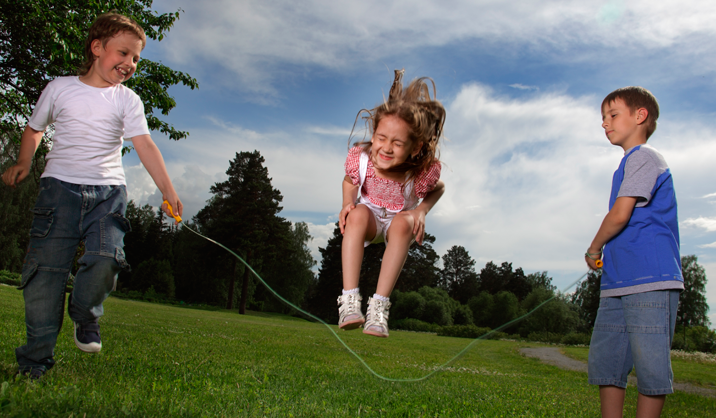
x=693 y=308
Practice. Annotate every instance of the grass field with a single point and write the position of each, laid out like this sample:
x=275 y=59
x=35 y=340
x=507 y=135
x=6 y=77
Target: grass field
x=164 y=361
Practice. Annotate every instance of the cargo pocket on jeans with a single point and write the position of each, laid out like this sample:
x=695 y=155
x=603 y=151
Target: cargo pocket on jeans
x=41 y=222
x=29 y=270
x=122 y=260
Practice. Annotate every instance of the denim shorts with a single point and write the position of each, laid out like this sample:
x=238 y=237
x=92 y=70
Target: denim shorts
x=635 y=331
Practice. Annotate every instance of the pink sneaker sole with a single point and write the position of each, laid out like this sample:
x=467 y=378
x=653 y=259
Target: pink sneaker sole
x=349 y=325
x=375 y=333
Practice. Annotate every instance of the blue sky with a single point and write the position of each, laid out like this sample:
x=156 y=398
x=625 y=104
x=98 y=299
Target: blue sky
x=527 y=166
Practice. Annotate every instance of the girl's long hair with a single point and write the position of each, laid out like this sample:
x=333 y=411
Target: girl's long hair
x=424 y=115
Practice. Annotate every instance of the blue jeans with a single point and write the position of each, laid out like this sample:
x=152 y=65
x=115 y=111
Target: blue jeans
x=65 y=215
x=634 y=331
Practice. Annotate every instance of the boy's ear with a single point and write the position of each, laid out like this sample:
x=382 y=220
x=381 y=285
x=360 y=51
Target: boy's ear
x=96 y=47
x=641 y=115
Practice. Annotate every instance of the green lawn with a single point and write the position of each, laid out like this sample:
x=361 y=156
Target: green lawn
x=167 y=361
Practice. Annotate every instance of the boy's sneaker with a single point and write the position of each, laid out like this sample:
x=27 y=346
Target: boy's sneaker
x=349 y=311
x=87 y=337
x=33 y=373
x=376 y=322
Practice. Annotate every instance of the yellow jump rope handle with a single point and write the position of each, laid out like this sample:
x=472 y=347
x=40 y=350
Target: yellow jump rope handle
x=599 y=263
x=178 y=218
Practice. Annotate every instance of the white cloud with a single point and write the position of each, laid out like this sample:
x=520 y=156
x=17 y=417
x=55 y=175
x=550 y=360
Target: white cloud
x=709 y=224
x=252 y=44
x=523 y=87
x=712 y=245
x=710 y=195
x=321 y=234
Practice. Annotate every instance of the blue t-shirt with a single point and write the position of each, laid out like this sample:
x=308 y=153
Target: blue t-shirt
x=644 y=256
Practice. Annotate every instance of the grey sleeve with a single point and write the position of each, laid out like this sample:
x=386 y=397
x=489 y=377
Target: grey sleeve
x=640 y=174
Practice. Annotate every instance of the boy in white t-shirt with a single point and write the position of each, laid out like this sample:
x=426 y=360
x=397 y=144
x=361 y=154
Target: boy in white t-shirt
x=83 y=196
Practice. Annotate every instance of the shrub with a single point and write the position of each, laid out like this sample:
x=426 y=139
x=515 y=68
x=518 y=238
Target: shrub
x=697 y=339
x=545 y=337
x=462 y=316
x=408 y=305
x=412 y=324
x=575 y=338
x=463 y=331
x=10 y=278
x=437 y=313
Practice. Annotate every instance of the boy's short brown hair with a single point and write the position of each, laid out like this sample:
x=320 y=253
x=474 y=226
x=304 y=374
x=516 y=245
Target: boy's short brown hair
x=636 y=98
x=106 y=26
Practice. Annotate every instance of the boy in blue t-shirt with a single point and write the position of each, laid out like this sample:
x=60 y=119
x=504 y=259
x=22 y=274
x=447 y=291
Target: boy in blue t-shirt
x=641 y=277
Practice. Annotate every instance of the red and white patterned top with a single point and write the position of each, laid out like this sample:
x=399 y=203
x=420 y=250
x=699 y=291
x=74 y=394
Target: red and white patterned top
x=388 y=193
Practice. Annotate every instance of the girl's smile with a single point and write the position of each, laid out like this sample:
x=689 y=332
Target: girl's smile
x=391 y=146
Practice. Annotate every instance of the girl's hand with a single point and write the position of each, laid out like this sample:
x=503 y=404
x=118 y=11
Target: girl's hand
x=418 y=224
x=343 y=215
x=15 y=174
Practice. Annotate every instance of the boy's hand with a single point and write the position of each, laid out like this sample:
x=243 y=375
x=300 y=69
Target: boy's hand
x=343 y=215
x=594 y=261
x=176 y=205
x=15 y=174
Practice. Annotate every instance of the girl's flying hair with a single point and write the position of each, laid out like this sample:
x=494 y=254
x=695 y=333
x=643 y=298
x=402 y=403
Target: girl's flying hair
x=105 y=27
x=424 y=115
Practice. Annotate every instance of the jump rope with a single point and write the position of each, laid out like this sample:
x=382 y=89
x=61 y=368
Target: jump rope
x=358 y=357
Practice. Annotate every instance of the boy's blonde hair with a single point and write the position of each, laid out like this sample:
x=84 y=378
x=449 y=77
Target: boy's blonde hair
x=636 y=98
x=105 y=27
x=425 y=117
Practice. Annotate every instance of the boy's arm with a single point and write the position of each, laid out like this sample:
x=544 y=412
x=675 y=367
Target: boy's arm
x=28 y=145
x=151 y=158
x=424 y=207
x=613 y=223
x=350 y=193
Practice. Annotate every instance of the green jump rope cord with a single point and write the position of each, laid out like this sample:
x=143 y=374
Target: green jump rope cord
x=360 y=359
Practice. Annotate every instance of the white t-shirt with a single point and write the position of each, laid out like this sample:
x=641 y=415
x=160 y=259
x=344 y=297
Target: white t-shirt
x=90 y=126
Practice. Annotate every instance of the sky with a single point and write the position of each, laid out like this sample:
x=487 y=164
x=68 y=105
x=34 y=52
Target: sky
x=526 y=164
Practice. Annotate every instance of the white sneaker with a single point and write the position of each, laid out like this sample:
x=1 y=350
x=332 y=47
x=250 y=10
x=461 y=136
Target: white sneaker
x=349 y=311
x=376 y=322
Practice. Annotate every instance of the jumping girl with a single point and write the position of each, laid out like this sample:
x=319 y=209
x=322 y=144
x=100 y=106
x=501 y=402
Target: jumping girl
x=385 y=178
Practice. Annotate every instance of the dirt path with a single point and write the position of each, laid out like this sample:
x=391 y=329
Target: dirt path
x=552 y=356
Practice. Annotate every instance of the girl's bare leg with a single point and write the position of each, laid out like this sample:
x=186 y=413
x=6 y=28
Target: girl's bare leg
x=400 y=235
x=360 y=227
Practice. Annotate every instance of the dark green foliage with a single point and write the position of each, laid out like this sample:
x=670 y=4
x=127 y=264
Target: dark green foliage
x=7 y=277
x=506 y=308
x=482 y=306
x=15 y=204
x=693 y=308
x=322 y=301
x=586 y=299
x=698 y=338
x=575 y=338
x=407 y=305
x=495 y=279
x=463 y=331
x=156 y=275
x=420 y=268
x=463 y=315
x=412 y=324
x=458 y=276
x=44 y=39
x=545 y=337
x=555 y=316
x=436 y=312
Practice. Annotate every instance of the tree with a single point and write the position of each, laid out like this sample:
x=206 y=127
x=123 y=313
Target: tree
x=556 y=316
x=586 y=299
x=420 y=268
x=458 y=274
x=44 y=39
x=693 y=308
x=243 y=215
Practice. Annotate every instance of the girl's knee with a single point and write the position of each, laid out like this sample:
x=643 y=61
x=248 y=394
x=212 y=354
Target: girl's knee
x=359 y=216
x=402 y=225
